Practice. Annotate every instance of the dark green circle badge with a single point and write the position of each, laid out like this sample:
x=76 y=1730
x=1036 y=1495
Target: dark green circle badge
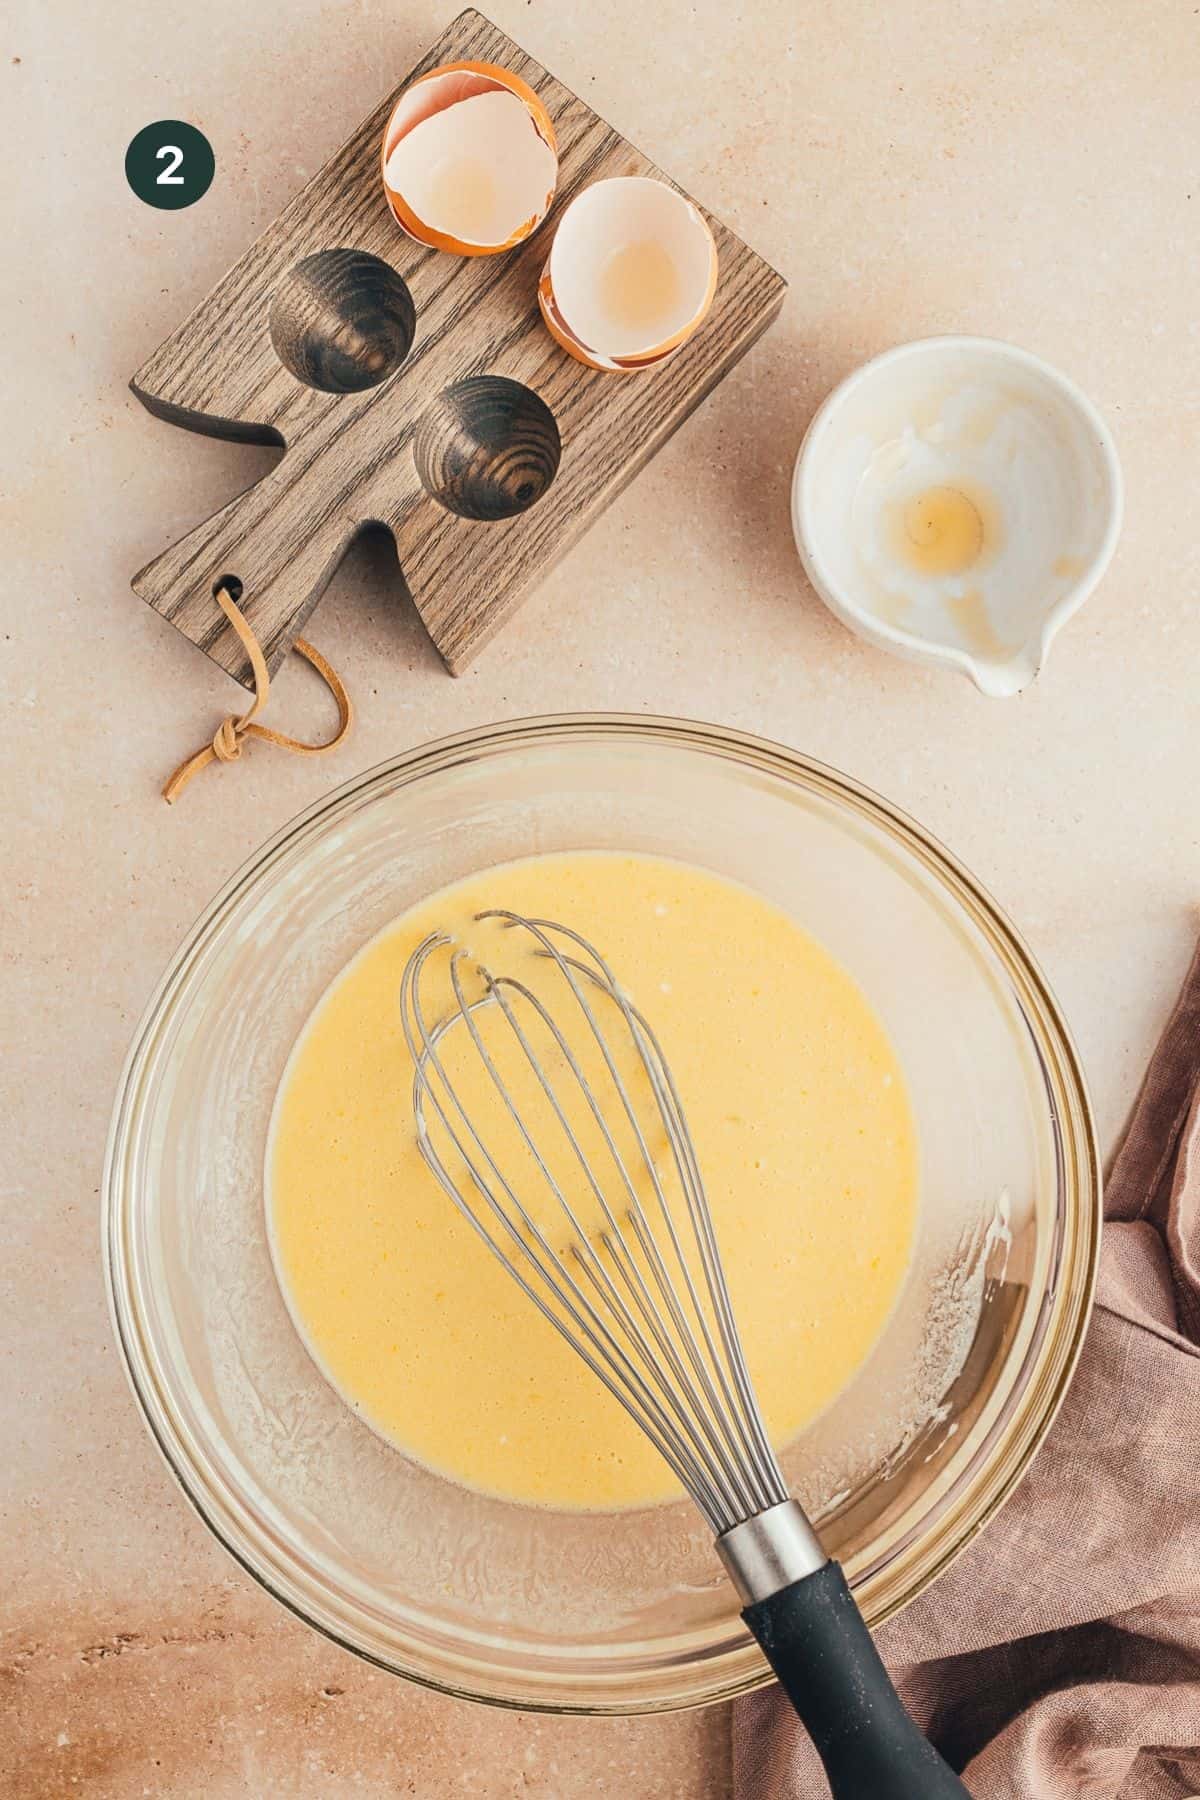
x=169 y=164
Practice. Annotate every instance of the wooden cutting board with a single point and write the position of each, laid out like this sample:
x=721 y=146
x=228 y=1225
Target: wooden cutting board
x=333 y=295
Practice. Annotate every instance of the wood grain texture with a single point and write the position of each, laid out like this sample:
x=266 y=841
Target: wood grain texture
x=342 y=321
x=281 y=351
x=487 y=448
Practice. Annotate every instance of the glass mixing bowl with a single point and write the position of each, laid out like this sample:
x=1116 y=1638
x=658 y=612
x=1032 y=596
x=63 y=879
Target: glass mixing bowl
x=598 y=1612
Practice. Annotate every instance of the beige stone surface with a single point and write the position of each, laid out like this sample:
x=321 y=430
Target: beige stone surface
x=1031 y=170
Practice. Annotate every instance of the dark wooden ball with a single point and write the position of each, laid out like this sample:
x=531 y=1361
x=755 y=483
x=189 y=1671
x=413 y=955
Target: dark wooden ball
x=487 y=448
x=342 y=321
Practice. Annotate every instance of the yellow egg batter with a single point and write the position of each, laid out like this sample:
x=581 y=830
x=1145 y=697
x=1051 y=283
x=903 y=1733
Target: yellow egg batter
x=803 y=1130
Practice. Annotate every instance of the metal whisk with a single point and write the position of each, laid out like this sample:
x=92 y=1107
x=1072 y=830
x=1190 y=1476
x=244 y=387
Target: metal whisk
x=591 y=1196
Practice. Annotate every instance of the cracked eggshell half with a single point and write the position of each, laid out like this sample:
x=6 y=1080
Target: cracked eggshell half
x=631 y=274
x=470 y=162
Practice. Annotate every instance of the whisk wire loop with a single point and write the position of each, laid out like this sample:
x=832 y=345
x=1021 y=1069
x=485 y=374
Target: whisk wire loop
x=679 y=1398
x=625 y=1293
x=600 y=1350
x=744 y=1411
x=581 y=1246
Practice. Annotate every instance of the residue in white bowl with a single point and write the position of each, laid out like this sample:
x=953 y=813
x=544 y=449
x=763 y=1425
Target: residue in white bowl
x=956 y=522
x=955 y=500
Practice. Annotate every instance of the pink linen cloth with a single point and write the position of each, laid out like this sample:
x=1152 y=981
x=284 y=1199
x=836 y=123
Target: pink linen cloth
x=1059 y=1658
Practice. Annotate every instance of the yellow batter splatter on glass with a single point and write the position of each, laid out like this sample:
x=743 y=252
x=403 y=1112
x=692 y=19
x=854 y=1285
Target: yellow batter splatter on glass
x=804 y=1133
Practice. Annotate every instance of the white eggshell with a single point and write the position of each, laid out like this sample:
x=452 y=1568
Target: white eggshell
x=477 y=170
x=619 y=217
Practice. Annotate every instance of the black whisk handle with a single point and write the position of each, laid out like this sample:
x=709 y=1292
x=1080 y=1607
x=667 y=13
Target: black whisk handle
x=817 y=1642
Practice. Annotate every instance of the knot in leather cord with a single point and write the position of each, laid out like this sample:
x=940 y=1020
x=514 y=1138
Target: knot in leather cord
x=231 y=733
x=226 y=743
